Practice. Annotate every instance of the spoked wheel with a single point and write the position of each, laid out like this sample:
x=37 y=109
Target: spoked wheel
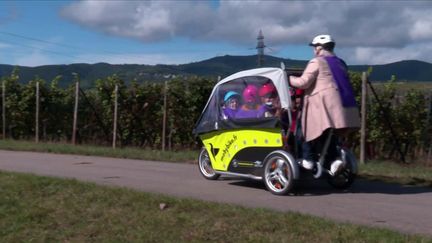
x=278 y=175
x=346 y=177
x=205 y=166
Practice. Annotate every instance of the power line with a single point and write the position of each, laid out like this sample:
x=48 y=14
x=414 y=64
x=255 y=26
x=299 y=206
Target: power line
x=52 y=43
x=75 y=48
x=72 y=47
x=40 y=49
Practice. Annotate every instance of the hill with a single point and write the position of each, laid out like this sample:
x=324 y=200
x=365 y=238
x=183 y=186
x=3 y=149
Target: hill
x=410 y=70
x=226 y=65
x=88 y=73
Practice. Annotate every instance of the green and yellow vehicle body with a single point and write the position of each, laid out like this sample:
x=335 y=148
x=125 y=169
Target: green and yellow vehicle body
x=241 y=150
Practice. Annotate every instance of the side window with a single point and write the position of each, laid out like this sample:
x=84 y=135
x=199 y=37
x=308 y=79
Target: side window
x=249 y=98
x=209 y=118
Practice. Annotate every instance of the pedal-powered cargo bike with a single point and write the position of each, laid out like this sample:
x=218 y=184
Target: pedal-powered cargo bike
x=244 y=129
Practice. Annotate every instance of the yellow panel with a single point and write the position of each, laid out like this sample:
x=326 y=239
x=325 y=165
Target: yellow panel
x=230 y=142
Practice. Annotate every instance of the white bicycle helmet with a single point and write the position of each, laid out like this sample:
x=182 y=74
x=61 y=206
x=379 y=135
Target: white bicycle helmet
x=321 y=40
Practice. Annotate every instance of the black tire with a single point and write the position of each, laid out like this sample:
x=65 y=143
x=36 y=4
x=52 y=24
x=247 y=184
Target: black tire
x=205 y=167
x=343 y=180
x=278 y=174
x=346 y=177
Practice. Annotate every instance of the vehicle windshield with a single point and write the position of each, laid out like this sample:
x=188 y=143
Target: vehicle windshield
x=244 y=102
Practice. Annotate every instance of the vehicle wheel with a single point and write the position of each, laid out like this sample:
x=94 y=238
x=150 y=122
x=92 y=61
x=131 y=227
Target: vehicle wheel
x=278 y=175
x=342 y=180
x=205 y=166
x=346 y=177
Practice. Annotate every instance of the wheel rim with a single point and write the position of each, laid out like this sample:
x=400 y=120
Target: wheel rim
x=277 y=174
x=205 y=164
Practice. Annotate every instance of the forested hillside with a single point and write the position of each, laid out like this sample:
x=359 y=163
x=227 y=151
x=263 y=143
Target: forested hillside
x=217 y=66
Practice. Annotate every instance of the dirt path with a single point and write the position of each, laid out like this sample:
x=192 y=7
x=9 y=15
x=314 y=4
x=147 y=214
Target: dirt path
x=403 y=208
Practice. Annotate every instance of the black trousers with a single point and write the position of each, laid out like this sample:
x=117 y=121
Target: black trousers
x=312 y=150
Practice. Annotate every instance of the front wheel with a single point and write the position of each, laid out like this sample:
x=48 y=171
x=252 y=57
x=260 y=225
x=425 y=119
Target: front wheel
x=205 y=166
x=278 y=175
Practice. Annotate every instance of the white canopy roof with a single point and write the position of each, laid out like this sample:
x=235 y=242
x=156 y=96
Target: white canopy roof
x=277 y=75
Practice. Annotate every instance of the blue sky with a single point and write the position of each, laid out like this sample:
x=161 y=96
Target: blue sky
x=34 y=33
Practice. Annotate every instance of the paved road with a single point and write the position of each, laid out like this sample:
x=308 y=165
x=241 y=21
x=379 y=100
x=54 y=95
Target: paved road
x=403 y=208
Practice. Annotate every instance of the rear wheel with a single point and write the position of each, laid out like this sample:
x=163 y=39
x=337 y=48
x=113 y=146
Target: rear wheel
x=278 y=175
x=343 y=180
x=205 y=166
x=346 y=177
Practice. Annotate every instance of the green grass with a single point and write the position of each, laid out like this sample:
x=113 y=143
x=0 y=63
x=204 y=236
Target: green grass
x=42 y=209
x=407 y=174
x=403 y=86
x=130 y=153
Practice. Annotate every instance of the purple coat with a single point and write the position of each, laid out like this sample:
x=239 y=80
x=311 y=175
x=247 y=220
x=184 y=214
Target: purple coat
x=258 y=113
x=229 y=113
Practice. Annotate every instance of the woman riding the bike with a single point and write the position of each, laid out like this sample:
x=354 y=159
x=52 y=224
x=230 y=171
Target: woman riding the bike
x=329 y=104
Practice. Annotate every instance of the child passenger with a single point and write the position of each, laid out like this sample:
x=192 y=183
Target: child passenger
x=250 y=108
x=296 y=98
x=269 y=100
x=231 y=104
x=295 y=137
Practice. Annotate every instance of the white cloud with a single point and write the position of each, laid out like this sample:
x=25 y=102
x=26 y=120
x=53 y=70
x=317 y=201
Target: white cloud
x=147 y=21
x=34 y=53
x=34 y=59
x=382 y=55
x=373 y=28
x=382 y=22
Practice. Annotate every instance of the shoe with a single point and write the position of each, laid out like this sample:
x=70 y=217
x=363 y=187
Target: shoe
x=336 y=167
x=307 y=164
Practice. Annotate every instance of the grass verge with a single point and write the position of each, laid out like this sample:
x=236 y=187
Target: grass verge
x=129 y=153
x=406 y=174
x=43 y=209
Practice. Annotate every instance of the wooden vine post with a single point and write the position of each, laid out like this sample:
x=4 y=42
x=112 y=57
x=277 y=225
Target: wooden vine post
x=363 y=119
x=114 y=140
x=37 y=114
x=4 y=108
x=75 y=117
